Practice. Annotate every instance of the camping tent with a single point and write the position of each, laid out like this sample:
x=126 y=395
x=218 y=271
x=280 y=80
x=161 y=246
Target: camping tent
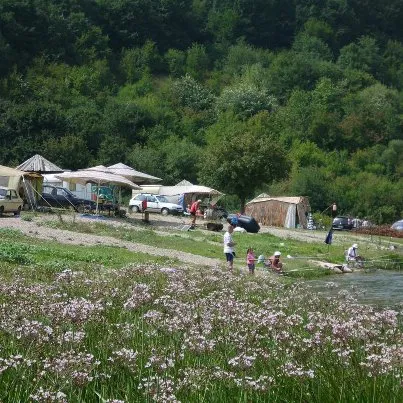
x=25 y=183
x=288 y=212
x=132 y=174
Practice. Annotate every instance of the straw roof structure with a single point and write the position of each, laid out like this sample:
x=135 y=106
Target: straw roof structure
x=279 y=211
x=39 y=164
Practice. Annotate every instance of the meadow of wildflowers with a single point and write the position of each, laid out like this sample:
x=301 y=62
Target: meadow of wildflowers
x=169 y=333
x=103 y=324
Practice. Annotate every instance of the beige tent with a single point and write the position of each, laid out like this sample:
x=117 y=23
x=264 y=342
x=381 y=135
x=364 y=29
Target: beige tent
x=27 y=184
x=288 y=212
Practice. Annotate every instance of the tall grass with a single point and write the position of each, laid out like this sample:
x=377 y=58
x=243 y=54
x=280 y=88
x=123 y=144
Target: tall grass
x=110 y=330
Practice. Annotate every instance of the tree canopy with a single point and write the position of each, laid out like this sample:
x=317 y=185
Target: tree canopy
x=210 y=90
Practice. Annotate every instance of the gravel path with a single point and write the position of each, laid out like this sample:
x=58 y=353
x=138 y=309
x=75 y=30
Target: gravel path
x=31 y=228
x=158 y=223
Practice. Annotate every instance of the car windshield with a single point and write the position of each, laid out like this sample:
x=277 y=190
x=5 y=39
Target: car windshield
x=3 y=193
x=68 y=192
x=162 y=199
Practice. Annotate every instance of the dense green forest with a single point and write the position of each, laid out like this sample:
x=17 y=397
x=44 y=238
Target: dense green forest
x=289 y=97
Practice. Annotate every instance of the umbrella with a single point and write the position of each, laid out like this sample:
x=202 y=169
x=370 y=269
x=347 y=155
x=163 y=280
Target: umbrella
x=99 y=177
x=132 y=174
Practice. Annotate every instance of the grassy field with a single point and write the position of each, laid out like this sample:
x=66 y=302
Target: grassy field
x=209 y=244
x=87 y=324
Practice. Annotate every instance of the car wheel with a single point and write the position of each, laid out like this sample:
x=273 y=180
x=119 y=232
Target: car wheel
x=164 y=211
x=81 y=208
x=1 y=210
x=134 y=209
x=18 y=212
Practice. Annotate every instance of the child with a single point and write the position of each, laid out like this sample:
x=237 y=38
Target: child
x=250 y=260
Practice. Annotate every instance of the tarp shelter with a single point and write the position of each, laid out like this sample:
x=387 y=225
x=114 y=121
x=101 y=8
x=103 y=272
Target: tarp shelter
x=130 y=173
x=26 y=184
x=39 y=164
x=97 y=176
x=184 y=193
x=288 y=212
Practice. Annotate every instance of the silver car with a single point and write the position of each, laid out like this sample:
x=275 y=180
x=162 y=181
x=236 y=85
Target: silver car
x=155 y=204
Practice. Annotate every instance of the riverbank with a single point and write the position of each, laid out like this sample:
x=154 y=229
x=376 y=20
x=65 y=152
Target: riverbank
x=163 y=237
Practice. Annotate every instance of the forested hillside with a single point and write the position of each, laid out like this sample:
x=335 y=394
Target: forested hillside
x=290 y=97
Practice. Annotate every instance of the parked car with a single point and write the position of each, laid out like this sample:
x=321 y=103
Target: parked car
x=398 y=225
x=244 y=221
x=155 y=203
x=342 y=223
x=58 y=196
x=10 y=201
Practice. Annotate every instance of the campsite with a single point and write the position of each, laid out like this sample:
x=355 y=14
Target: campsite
x=117 y=301
x=201 y=201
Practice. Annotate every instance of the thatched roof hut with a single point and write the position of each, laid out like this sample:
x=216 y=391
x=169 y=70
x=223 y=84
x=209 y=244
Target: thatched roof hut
x=288 y=212
x=39 y=164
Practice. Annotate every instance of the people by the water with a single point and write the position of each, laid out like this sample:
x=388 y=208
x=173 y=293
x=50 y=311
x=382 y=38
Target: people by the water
x=229 y=247
x=353 y=255
x=275 y=263
x=250 y=260
x=193 y=210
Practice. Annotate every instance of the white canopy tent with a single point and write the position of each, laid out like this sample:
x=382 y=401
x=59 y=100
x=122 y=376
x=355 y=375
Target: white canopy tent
x=132 y=174
x=94 y=175
x=184 y=192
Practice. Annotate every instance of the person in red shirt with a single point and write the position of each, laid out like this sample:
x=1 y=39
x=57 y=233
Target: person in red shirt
x=193 y=210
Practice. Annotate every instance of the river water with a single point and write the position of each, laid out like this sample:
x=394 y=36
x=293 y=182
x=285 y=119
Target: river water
x=378 y=288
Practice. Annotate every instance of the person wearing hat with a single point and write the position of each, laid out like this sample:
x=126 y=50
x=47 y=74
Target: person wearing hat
x=275 y=263
x=352 y=254
x=193 y=210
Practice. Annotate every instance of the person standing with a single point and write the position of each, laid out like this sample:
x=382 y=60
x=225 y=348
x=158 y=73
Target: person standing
x=193 y=210
x=250 y=260
x=229 y=245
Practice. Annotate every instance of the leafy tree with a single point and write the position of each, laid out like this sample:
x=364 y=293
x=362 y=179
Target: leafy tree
x=197 y=61
x=69 y=152
x=363 y=55
x=223 y=25
x=113 y=149
x=92 y=45
x=319 y=29
x=176 y=62
x=137 y=61
x=188 y=93
x=241 y=156
x=245 y=100
x=372 y=116
x=393 y=64
x=243 y=55
x=291 y=71
x=147 y=159
x=312 y=46
x=181 y=158
x=311 y=181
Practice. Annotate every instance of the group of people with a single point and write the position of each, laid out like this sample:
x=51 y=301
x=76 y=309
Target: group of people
x=273 y=262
